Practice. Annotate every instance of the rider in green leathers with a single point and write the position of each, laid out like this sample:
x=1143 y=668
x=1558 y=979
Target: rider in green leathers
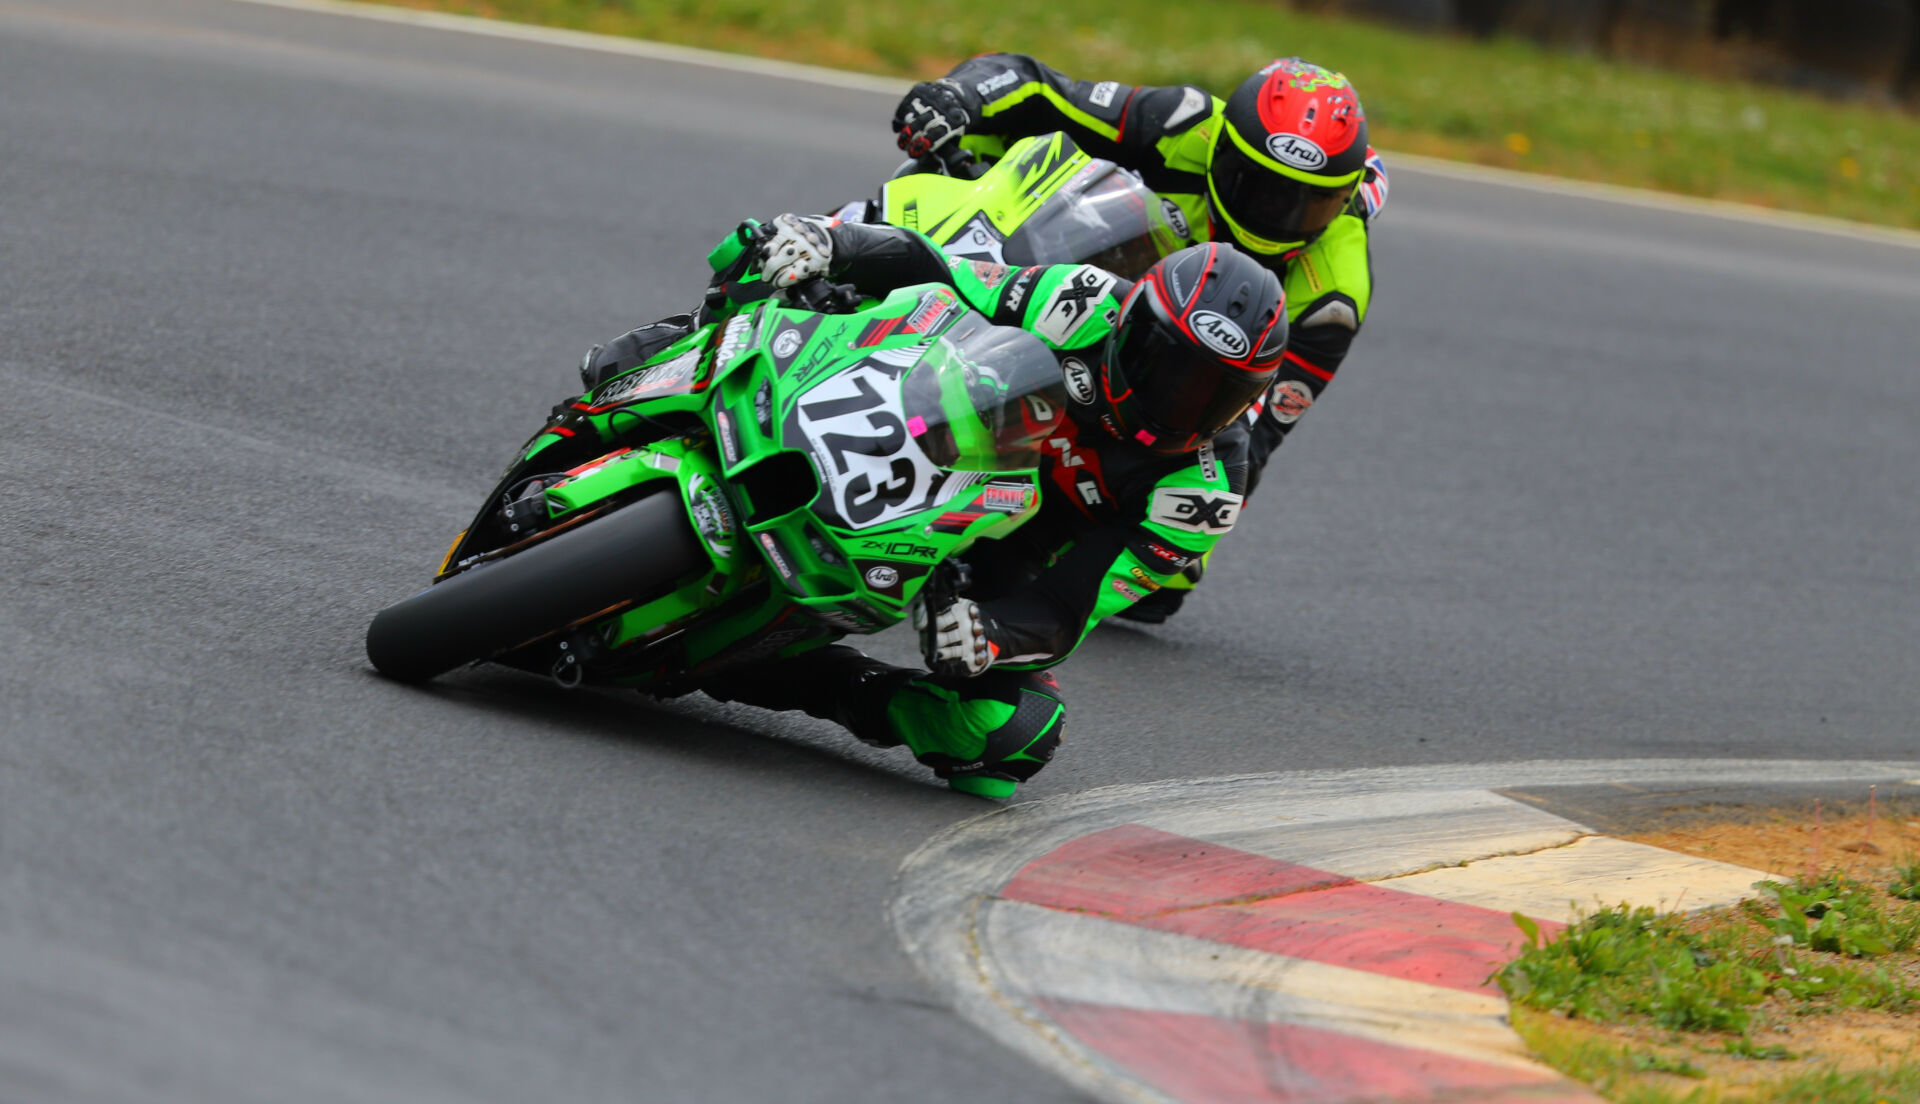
x=1146 y=473
x=1281 y=167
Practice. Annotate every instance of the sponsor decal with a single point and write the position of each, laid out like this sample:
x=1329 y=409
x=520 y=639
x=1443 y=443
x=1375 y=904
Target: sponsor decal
x=729 y=445
x=1176 y=218
x=787 y=344
x=1301 y=153
x=1220 y=333
x=1209 y=470
x=1007 y=498
x=994 y=84
x=1126 y=591
x=1102 y=95
x=1288 y=400
x=989 y=272
x=1079 y=380
x=1143 y=579
x=763 y=406
x=710 y=515
x=1194 y=509
x=935 y=309
x=1043 y=411
x=882 y=577
x=732 y=339
x=649 y=381
x=1073 y=302
x=774 y=554
x=1022 y=284
x=1178 y=560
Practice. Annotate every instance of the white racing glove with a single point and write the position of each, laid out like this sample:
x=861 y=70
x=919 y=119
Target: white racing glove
x=798 y=249
x=954 y=640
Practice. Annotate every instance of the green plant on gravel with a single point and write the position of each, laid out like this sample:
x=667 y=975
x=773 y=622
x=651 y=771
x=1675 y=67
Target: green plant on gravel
x=1906 y=880
x=1622 y=963
x=1649 y=1062
x=1838 y=914
x=1742 y=1047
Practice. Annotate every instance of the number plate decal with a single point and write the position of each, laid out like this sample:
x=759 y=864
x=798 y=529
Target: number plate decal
x=874 y=470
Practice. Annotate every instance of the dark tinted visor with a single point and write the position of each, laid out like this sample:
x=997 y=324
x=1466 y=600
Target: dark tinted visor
x=1172 y=389
x=1268 y=204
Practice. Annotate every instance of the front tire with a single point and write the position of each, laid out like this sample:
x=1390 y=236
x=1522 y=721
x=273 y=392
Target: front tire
x=635 y=551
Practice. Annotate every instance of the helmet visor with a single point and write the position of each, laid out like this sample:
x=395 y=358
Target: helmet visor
x=1269 y=204
x=1171 y=391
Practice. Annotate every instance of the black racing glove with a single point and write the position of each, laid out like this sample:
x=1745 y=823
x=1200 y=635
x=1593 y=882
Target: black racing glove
x=930 y=115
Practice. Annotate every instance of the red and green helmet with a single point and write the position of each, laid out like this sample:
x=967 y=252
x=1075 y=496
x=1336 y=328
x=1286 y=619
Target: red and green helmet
x=1285 y=163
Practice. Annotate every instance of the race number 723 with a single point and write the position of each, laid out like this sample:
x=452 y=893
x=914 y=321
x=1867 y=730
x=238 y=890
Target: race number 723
x=872 y=466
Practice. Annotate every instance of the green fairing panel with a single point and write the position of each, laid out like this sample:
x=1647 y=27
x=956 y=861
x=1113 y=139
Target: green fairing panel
x=878 y=435
x=765 y=426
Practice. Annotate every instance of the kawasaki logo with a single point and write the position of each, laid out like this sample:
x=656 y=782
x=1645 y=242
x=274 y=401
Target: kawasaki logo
x=1220 y=334
x=1301 y=153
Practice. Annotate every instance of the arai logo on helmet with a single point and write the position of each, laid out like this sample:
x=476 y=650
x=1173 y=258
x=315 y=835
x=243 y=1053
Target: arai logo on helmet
x=1219 y=333
x=1079 y=380
x=1301 y=153
x=1176 y=218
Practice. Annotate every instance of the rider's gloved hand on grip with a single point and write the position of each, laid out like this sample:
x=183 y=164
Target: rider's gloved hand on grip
x=797 y=248
x=930 y=115
x=954 y=639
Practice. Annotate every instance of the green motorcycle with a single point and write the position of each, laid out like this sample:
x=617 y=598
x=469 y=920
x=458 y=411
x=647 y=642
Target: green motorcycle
x=1044 y=200
x=790 y=471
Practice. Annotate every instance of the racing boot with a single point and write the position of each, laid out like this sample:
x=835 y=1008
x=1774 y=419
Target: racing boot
x=983 y=735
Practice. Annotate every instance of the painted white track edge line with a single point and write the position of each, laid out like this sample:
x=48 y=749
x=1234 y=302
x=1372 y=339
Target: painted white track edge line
x=863 y=82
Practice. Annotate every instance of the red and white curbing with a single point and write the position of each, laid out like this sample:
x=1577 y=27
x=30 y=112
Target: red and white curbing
x=1290 y=939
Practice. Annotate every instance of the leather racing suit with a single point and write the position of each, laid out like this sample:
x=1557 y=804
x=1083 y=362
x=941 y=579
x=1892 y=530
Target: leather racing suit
x=1116 y=523
x=1164 y=134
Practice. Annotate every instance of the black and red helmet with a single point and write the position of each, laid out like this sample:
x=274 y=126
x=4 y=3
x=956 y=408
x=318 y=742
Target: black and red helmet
x=1199 y=339
x=1286 y=161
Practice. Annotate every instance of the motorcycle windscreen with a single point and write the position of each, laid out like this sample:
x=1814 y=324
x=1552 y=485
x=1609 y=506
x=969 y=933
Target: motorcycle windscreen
x=984 y=398
x=1106 y=222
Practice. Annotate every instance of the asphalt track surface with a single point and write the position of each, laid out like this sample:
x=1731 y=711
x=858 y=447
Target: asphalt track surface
x=280 y=291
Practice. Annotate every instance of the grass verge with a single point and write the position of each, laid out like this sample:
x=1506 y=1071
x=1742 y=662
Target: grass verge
x=1808 y=992
x=1505 y=103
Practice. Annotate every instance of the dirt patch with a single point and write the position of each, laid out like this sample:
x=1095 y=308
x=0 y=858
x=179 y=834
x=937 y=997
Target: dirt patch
x=1796 y=841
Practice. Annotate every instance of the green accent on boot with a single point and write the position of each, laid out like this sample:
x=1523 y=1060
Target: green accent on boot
x=934 y=720
x=981 y=786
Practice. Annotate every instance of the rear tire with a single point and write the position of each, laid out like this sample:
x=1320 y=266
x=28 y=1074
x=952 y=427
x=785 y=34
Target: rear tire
x=635 y=551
